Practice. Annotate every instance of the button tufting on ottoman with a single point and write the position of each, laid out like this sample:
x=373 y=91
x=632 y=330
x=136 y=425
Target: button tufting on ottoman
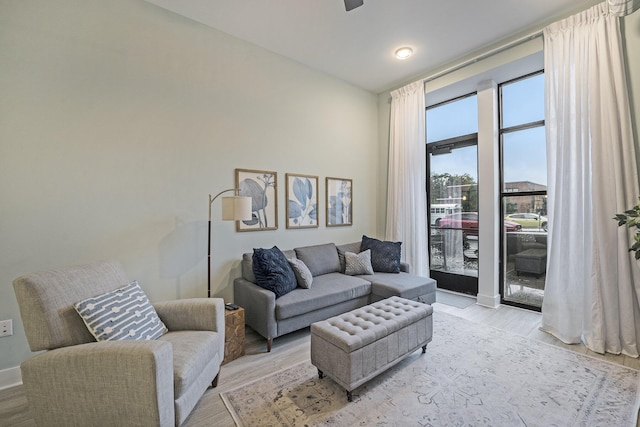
x=356 y=346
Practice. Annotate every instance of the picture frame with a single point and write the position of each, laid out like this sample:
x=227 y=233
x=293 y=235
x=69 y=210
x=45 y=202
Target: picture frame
x=339 y=202
x=262 y=187
x=302 y=201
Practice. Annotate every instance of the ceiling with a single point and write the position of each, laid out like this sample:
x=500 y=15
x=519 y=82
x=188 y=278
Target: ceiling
x=358 y=46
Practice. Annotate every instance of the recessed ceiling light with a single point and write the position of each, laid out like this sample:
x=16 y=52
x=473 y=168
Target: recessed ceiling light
x=404 y=53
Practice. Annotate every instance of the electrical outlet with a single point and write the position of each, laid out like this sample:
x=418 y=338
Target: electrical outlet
x=6 y=328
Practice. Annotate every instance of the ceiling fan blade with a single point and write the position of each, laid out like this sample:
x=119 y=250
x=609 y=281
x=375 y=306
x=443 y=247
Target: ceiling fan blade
x=352 y=4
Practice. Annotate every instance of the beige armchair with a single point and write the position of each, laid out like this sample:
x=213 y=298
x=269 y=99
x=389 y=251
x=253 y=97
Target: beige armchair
x=80 y=382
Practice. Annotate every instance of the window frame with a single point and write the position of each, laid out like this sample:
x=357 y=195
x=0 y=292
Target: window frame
x=511 y=192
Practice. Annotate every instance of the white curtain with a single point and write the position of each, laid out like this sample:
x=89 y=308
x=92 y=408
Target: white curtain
x=623 y=7
x=593 y=282
x=406 y=190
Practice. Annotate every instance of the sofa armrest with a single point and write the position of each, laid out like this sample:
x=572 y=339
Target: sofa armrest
x=259 y=307
x=192 y=314
x=125 y=382
x=405 y=267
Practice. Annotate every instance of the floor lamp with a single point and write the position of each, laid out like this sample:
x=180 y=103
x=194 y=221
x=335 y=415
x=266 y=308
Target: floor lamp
x=234 y=208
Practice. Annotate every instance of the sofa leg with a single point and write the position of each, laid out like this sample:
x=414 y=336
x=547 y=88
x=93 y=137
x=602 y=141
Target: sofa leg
x=269 y=342
x=214 y=384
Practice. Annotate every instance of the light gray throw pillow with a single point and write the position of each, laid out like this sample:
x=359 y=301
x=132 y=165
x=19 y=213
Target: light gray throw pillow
x=302 y=272
x=123 y=314
x=356 y=264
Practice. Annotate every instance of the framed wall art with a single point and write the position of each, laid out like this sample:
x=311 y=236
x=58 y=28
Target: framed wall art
x=302 y=201
x=339 y=202
x=262 y=187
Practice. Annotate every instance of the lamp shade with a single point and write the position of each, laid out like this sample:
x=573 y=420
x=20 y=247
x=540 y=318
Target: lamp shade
x=236 y=208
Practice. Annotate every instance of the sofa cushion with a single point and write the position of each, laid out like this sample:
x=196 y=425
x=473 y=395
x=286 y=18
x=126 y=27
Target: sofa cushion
x=122 y=314
x=385 y=256
x=247 y=264
x=272 y=271
x=385 y=285
x=342 y=249
x=327 y=290
x=303 y=275
x=356 y=264
x=192 y=351
x=321 y=259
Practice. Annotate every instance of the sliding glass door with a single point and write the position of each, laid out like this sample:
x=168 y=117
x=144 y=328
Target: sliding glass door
x=452 y=193
x=453 y=207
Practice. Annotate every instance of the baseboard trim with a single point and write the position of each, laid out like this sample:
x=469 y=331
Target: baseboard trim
x=491 y=301
x=10 y=377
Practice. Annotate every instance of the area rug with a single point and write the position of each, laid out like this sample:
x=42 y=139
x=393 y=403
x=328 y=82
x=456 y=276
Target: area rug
x=471 y=375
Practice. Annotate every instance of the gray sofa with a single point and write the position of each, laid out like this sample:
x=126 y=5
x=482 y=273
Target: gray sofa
x=331 y=293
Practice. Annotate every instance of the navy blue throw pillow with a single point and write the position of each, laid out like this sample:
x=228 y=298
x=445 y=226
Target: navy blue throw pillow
x=385 y=256
x=273 y=272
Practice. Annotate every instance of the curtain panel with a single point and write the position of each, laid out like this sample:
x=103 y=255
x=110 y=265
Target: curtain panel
x=623 y=7
x=593 y=282
x=406 y=189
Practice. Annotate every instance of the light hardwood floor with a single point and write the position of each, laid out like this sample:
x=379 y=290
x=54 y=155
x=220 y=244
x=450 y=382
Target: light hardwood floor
x=294 y=348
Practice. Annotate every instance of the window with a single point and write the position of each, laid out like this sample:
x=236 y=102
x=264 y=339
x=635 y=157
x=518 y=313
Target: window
x=524 y=190
x=467 y=94
x=453 y=118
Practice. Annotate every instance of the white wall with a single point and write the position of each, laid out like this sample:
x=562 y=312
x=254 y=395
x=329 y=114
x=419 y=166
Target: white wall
x=118 y=118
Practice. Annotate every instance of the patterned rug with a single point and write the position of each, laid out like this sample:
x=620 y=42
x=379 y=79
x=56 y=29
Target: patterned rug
x=471 y=375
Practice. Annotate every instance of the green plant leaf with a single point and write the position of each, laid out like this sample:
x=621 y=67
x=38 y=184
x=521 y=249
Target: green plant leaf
x=631 y=218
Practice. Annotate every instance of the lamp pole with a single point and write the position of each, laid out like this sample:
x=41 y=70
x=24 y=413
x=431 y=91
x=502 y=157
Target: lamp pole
x=211 y=200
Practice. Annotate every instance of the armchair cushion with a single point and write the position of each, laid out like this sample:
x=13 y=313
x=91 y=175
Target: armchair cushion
x=192 y=351
x=122 y=314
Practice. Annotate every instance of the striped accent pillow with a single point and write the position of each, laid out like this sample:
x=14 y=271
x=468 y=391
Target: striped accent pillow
x=122 y=314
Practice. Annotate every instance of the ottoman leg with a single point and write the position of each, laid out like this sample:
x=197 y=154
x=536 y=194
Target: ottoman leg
x=349 y=396
x=320 y=374
x=424 y=349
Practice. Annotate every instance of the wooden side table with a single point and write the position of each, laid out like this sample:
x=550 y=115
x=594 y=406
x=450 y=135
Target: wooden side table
x=233 y=334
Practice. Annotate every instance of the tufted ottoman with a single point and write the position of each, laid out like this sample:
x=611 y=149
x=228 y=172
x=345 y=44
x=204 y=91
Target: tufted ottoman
x=354 y=347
